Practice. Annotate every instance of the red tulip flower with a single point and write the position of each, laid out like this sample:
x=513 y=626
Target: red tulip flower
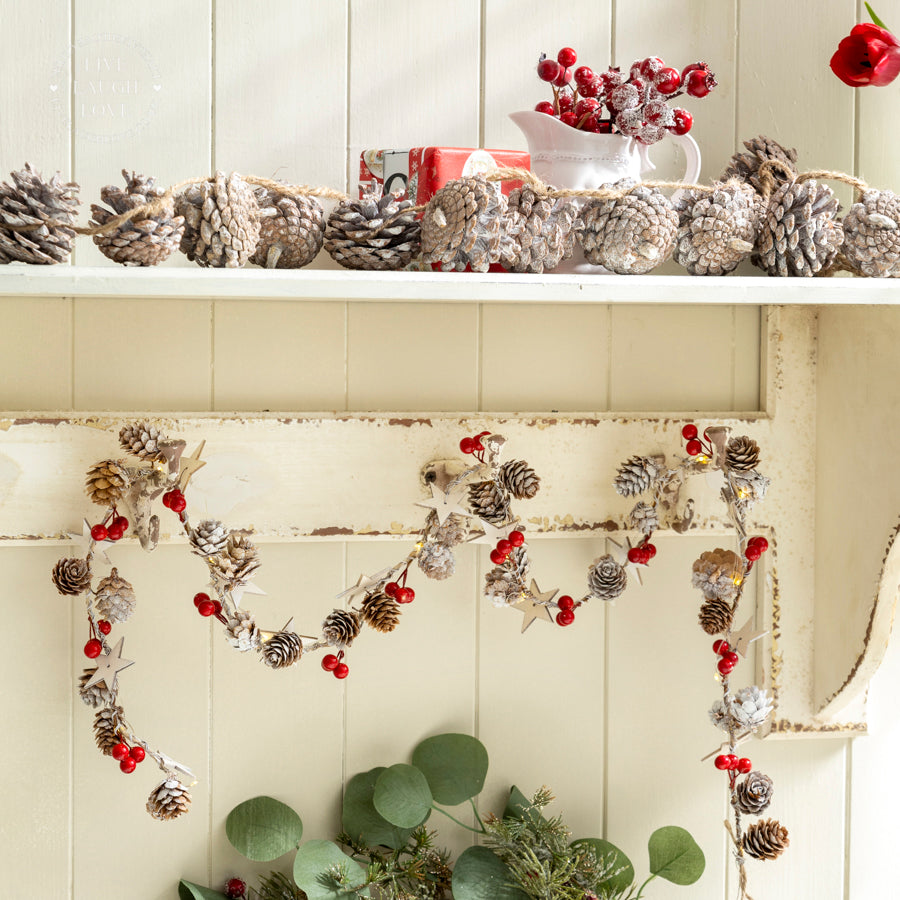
x=868 y=55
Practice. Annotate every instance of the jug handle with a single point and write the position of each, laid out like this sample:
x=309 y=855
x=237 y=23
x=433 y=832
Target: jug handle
x=691 y=156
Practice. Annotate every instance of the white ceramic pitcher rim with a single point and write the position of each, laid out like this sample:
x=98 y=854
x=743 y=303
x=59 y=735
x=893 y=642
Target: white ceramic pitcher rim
x=588 y=136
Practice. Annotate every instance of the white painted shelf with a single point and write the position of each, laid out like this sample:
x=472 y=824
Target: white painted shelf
x=438 y=287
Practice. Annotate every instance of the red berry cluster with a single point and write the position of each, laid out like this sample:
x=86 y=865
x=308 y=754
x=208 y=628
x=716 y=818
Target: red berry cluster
x=235 y=888
x=695 y=445
x=399 y=591
x=175 y=501
x=728 y=762
x=567 y=607
x=505 y=546
x=643 y=553
x=728 y=659
x=755 y=548
x=112 y=528
x=128 y=757
x=207 y=607
x=636 y=106
x=333 y=664
x=473 y=445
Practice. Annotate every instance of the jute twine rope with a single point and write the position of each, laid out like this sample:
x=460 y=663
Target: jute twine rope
x=770 y=166
x=741 y=861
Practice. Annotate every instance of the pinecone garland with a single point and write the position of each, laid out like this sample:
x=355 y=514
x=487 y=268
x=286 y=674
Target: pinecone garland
x=766 y=839
x=221 y=221
x=291 y=230
x=630 y=235
x=606 y=578
x=96 y=695
x=142 y=241
x=461 y=225
x=282 y=650
x=71 y=576
x=380 y=612
x=636 y=476
x=373 y=233
x=451 y=533
x=872 y=235
x=799 y=234
x=745 y=166
x=142 y=440
x=242 y=632
x=115 y=598
x=106 y=482
x=107 y=723
x=644 y=518
x=741 y=454
x=751 y=707
x=30 y=200
x=437 y=561
x=716 y=573
x=169 y=800
x=519 y=479
x=537 y=232
x=716 y=615
x=237 y=562
x=754 y=793
x=208 y=538
x=489 y=501
x=341 y=627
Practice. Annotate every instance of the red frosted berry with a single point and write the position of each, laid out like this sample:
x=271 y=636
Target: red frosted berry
x=667 y=80
x=731 y=657
x=725 y=667
x=565 y=602
x=650 y=65
x=120 y=752
x=563 y=77
x=744 y=765
x=566 y=103
x=179 y=504
x=591 y=125
x=569 y=118
x=330 y=662
x=235 y=888
x=505 y=547
x=639 y=85
x=104 y=627
x=635 y=555
x=98 y=532
x=592 y=88
x=567 y=57
x=405 y=595
x=120 y=522
x=689 y=432
x=498 y=558
x=206 y=608
x=516 y=538
x=565 y=617
x=760 y=542
x=93 y=648
x=721 y=762
x=604 y=126
x=548 y=69
x=114 y=533
x=683 y=121
x=650 y=549
x=341 y=670
x=583 y=75
x=199 y=598
x=128 y=765
x=467 y=444
x=391 y=588
x=721 y=646
x=752 y=552
x=585 y=107
x=138 y=754
x=694 y=447
x=699 y=82
x=545 y=106
x=167 y=499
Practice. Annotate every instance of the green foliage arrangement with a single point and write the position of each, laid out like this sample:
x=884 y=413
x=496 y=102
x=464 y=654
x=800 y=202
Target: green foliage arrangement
x=385 y=851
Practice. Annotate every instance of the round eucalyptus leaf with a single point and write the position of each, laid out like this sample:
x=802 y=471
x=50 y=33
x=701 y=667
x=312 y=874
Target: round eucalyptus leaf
x=187 y=890
x=480 y=875
x=402 y=796
x=312 y=867
x=360 y=818
x=455 y=766
x=675 y=855
x=263 y=828
x=623 y=870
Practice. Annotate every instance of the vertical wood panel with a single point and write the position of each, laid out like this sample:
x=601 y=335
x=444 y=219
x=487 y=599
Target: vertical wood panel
x=748 y=347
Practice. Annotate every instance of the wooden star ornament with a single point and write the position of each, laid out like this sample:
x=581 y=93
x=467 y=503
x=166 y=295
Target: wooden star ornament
x=533 y=608
x=108 y=667
x=189 y=467
x=446 y=504
x=742 y=639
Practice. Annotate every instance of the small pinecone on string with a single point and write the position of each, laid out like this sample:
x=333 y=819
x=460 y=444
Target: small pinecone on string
x=519 y=563
x=237 y=562
x=30 y=200
x=72 y=576
x=283 y=649
x=761 y=149
x=115 y=598
x=715 y=573
x=537 y=232
x=519 y=479
x=752 y=483
x=142 y=241
x=461 y=225
x=751 y=706
x=500 y=588
x=630 y=235
x=169 y=800
x=754 y=793
x=716 y=615
x=799 y=234
x=373 y=233
x=142 y=440
x=872 y=235
x=489 y=501
x=437 y=561
x=741 y=454
x=106 y=482
x=380 y=612
x=221 y=221
x=208 y=538
x=636 y=476
x=291 y=230
x=644 y=518
x=606 y=578
x=717 y=231
x=107 y=723
x=451 y=533
x=720 y=716
x=96 y=695
x=766 y=839
x=242 y=632
x=341 y=627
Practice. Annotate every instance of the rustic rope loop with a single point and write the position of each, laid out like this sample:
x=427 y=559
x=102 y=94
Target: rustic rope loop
x=767 y=178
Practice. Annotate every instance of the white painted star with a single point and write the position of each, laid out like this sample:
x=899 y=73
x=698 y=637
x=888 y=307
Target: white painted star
x=170 y=765
x=741 y=639
x=492 y=533
x=108 y=666
x=446 y=504
x=248 y=587
x=533 y=607
x=189 y=465
x=84 y=539
x=364 y=584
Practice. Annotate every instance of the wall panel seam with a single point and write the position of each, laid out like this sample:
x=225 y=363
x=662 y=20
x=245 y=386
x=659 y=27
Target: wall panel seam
x=848 y=834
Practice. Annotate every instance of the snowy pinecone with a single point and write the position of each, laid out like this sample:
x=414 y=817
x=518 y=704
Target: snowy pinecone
x=341 y=627
x=720 y=716
x=169 y=800
x=489 y=501
x=142 y=440
x=519 y=563
x=437 y=561
x=716 y=615
x=242 y=632
x=745 y=166
x=96 y=695
x=291 y=230
x=637 y=475
x=751 y=484
x=715 y=573
x=500 y=588
x=766 y=839
x=282 y=650
x=107 y=723
x=606 y=578
x=872 y=235
x=451 y=533
x=71 y=576
x=208 y=538
x=237 y=562
x=754 y=793
x=644 y=518
x=741 y=454
x=537 y=232
x=519 y=479
x=115 y=598
x=381 y=612
x=751 y=707
x=106 y=482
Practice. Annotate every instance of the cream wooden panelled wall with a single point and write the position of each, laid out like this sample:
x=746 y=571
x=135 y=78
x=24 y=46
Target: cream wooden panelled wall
x=611 y=713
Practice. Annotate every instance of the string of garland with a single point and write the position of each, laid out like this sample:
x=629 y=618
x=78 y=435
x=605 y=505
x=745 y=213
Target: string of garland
x=762 y=208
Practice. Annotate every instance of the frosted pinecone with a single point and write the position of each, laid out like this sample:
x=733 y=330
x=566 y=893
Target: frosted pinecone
x=242 y=632
x=720 y=716
x=341 y=628
x=751 y=707
x=237 y=562
x=644 y=518
x=754 y=793
x=282 y=650
x=489 y=501
x=606 y=578
x=500 y=588
x=107 y=723
x=115 y=598
x=106 y=482
x=872 y=235
x=519 y=479
x=96 y=695
x=208 y=538
x=716 y=616
x=381 y=612
x=169 y=800
x=742 y=454
x=71 y=576
x=519 y=563
x=637 y=475
x=766 y=839
x=750 y=485
x=745 y=166
x=718 y=573
x=451 y=533
x=291 y=229
x=142 y=440
x=537 y=232
x=437 y=561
